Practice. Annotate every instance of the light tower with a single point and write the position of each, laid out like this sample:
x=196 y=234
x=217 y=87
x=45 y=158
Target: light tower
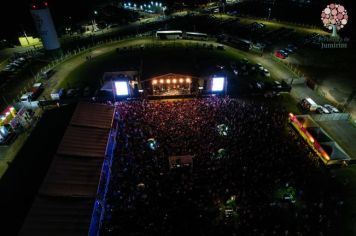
x=44 y=25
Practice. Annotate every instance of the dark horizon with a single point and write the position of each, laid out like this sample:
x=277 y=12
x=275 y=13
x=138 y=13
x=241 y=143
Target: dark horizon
x=20 y=18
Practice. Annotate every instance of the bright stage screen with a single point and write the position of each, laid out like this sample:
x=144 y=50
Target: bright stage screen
x=218 y=84
x=121 y=88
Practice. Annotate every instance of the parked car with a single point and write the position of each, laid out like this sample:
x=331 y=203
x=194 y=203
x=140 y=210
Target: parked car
x=308 y=104
x=279 y=55
x=220 y=47
x=57 y=94
x=283 y=52
x=259 y=67
x=289 y=50
x=266 y=73
x=47 y=74
x=27 y=97
x=331 y=108
x=72 y=93
x=322 y=110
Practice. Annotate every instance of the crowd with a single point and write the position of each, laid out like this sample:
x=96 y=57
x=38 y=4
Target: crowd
x=235 y=192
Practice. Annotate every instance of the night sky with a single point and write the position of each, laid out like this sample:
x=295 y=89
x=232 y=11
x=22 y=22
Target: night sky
x=19 y=17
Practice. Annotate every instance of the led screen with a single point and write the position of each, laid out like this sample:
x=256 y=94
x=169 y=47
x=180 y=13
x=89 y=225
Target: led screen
x=218 y=84
x=121 y=88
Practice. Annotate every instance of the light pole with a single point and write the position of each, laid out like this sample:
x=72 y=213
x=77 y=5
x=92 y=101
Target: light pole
x=269 y=13
x=93 y=22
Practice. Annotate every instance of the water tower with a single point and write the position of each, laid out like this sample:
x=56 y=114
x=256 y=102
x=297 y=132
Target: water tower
x=45 y=26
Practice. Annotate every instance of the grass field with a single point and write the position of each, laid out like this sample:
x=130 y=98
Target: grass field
x=181 y=58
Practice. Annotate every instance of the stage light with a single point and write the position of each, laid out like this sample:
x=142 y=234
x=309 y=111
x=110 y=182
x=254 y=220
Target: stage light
x=181 y=80
x=174 y=81
x=121 y=88
x=154 y=82
x=218 y=84
x=152 y=144
x=161 y=81
x=200 y=88
x=168 y=81
x=223 y=130
x=187 y=80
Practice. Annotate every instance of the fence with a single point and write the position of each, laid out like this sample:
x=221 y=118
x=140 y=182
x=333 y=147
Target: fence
x=294 y=69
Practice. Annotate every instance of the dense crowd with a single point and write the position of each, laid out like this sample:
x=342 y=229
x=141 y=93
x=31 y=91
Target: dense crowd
x=256 y=178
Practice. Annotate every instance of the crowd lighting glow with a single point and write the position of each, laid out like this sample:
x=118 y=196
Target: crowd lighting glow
x=188 y=80
x=161 y=81
x=154 y=82
x=181 y=80
x=121 y=88
x=152 y=144
x=218 y=84
x=223 y=130
x=168 y=81
x=174 y=81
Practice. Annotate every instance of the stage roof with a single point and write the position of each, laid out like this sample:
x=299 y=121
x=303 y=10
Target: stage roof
x=170 y=76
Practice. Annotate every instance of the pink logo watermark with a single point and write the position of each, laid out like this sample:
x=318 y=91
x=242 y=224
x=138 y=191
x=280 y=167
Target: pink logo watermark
x=334 y=17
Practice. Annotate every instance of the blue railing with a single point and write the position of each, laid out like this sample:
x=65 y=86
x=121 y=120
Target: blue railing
x=99 y=205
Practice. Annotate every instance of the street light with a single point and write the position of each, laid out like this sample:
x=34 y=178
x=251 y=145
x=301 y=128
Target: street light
x=269 y=13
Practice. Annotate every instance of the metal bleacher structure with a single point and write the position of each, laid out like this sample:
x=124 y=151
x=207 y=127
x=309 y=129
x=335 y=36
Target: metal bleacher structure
x=71 y=198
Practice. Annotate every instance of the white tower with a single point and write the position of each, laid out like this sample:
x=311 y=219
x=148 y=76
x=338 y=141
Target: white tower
x=44 y=25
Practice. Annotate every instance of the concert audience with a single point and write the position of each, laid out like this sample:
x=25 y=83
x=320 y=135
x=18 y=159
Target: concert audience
x=231 y=192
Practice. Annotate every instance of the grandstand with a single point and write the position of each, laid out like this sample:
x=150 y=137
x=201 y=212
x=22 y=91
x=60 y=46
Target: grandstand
x=75 y=182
